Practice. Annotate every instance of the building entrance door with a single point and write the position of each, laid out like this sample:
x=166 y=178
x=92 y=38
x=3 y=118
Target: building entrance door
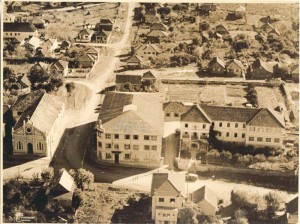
x=30 y=148
x=117 y=158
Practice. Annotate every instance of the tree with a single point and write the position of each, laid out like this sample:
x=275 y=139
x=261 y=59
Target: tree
x=239 y=217
x=241 y=42
x=7 y=73
x=274 y=200
x=82 y=177
x=187 y=215
x=204 y=25
x=226 y=156
x=213 y=155
x=47 y=175
x=70 y=86
x=37 y=75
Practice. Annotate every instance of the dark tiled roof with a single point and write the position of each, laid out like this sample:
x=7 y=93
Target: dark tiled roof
x=217 y=60
x=18 y=27
x=267 y=118
x=165 y=184
x=176 y=107
x=102 y=33
x=105 y=21
x=157 y=180
x=234 y=114
x=25 y=101
x=159 y=26
x=135 y=59
x=124 y=78
x=292 y=206
x=195 y=114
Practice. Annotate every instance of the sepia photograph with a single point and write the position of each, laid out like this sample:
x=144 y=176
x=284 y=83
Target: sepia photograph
x=164 y=112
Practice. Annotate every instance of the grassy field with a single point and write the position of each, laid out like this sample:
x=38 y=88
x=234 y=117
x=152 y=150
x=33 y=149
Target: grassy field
x=269 y=97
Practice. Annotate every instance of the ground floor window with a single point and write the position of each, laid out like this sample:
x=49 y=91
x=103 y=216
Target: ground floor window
x=277 y=140
x=251 y=139
x=259 y=139
x=40 y=146
x=108 y=156
x=19 y=145
x=127 y=156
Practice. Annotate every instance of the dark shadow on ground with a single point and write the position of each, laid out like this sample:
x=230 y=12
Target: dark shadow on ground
x=77 y=149
x=135 y=212
x=123 y=55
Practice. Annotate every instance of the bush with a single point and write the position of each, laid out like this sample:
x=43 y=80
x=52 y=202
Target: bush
x=77 y=199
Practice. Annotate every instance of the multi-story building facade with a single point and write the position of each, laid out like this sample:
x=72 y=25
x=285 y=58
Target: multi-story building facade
x=130 y=129
x=168 y=197
x=38 y=126
x=244 y=126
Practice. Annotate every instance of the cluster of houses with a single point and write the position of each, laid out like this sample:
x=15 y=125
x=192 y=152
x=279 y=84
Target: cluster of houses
x=100 y=33
x=130 y=127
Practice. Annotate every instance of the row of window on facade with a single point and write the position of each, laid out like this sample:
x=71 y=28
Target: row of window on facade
x=128 y=146
x=236 y=125
x=128 y=156
x=172 y=200
x=261 y=139
x=127 y=137
x=39 y=145
x=11 y=34
x=228 y=134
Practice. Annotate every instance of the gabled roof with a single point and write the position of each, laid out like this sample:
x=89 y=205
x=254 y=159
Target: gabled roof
x=268 y=66
x=204 y=193
x=50 y=42
x=150 y=74
x=217 y=60
x=237 y=62
x=267 y=118
x=292 y=206
x=144 y=47
x=195 y=114
x=18 y=27
x=233 y=114
x=158 y=26
x=295 y=69
x=34 y=41
x=241 y=9
x=42 y=113
x=24 y=81
x=66 y=181
x=59 y=65
x=105 y=21
x=15 y=3
x=176 y=107
x=116 y=113
x=25 y=101
x=102 y=33
x=275 y=31
x=63 y=187
x=86 y=57
x=135 y=59
x=85 y=31
x=168 y=184
x=221 y=26
x=92 y=50
x=157 y=33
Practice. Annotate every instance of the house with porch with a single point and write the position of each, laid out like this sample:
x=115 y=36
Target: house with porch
x=101 y=36
x=38 y=124
x=157 y=36
x=168 y=195
x=235 y=68
x=84 y=35
x=152 y=16
x=86 y=61
x=60 y=68
x=136 y=62
x=129 y=130
x=159 y=26
x=105 y=25
x=216 y=66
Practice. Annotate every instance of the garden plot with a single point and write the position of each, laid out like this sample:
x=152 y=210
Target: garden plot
x=236 y=95
x=269 y=97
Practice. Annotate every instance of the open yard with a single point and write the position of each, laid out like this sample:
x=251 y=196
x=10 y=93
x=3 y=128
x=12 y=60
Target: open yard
x=269 y=97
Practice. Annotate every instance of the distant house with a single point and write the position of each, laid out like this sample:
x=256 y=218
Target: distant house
x=149 y=76
x=173 y=110
x=168 y=197
x=104 y=24
x=156 y=36
x=133 y=79
x=262 y=70
x=37 y=130
x=50 y=45
x=158 y=26
x=240 y=12
x=84 y=35
x=8 y=18
x=20 y=30
x=65 y=45
x=63 y=190
x=147 y=50
x=206 y=199
x=101 y=36
x=205 y=36
x=208 y=7
x=93 y=52
x=86 y=61
x=136 y=62
x=152 y=16
x=25 y=84
x=39 y=23
x=216 y=66
x=221 y=29
x=60 y=68
x=14 y=7
x=32 y=44
x=236 y=68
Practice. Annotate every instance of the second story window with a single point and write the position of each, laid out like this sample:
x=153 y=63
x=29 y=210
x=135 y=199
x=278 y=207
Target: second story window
x=108 y=136
x=117 y=136
x=172 y=200
x=228 y=125
x=161 y=200
x=220 y=124
x=186 y=125
x=146 y=137
x=127 y=136
x=135 y=137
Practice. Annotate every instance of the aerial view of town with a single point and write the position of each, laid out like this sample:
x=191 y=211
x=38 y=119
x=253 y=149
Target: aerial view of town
x=158 y=113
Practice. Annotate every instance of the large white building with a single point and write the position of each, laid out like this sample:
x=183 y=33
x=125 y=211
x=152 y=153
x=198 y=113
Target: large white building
x=130 y=129
x=38 y=126
x=244 y=126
